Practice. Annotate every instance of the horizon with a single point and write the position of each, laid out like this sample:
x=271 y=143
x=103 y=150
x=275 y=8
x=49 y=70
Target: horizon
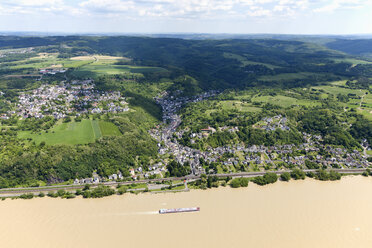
x=52 y=33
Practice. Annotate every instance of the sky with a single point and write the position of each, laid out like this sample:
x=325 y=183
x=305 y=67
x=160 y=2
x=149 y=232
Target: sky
x=188 y=16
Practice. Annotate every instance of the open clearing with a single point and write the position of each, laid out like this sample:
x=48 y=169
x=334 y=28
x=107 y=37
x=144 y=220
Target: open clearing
x=284 y=101
x=72 y=133
x=339 y=90
x=93 y=70
x=98 y=57
x=352 y=61
x=288 y=76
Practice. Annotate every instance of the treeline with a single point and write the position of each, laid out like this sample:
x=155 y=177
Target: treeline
x=23 y=162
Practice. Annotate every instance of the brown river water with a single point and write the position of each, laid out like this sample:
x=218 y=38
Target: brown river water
x=297 y=214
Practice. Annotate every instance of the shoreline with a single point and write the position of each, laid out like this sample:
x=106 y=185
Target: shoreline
x=138 y=191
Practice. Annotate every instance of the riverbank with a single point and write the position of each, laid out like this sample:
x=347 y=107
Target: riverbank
x=174 y=183
x=306 y=213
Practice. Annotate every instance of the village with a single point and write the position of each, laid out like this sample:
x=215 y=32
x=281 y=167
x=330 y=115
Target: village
x=68 y=99
x=240 y=157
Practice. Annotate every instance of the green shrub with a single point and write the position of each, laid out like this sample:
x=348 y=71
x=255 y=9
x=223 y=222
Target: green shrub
x=239 y=182
x=285 y=176
x=99 y=192
x=268 y=178
x=298 y=174
x=27 y=196
x=52 y=194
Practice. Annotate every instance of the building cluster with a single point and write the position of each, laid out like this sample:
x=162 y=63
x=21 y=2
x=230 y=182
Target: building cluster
x=75 y=98
x=95 y=179
x=5 y=52
x=261 y=156
x=172 y=120
x=272 y=123
x=52 y=71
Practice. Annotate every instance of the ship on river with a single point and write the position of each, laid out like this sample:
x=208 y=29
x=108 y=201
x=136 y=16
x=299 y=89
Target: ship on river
x=178 y=210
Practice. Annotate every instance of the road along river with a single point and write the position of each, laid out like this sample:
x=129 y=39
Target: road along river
x=297 y=214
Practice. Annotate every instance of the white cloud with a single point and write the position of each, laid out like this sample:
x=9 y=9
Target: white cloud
x=334 y=5
x=107 y=6
x=178 y=9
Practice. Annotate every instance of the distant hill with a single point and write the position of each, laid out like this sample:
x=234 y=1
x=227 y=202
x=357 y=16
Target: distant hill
x=361 y=47
x=215 y=64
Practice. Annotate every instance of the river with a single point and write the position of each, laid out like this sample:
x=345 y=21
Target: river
x=297 y=214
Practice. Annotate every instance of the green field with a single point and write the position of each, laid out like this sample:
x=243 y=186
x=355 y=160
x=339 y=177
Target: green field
x=351 y=61
x=284 y=101
x=232 y=105
x=93 y=70
x=87 y=66
x=339 y=83
x=339 y=90
x=108 y=129
x=72 y=133
x=238 y=105
x=287 y=76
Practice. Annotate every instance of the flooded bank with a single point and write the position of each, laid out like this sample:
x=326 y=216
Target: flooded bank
x=305 y=213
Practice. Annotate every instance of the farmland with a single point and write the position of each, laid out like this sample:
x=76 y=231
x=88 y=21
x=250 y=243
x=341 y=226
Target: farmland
x=97 y=69
x=284 y=101
x=80 y=66
x=288 y=76
x=72 y=133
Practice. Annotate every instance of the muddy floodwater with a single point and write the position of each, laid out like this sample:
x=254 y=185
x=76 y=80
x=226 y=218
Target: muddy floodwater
x=297 y=214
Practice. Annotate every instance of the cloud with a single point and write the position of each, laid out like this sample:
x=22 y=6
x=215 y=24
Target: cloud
x=107 y=6
x=177 y=9
x=341 y=4
x=35 y=7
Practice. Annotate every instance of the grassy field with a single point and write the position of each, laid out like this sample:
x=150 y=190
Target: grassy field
x=352 y=61
x=94 y=70
x=284 y=101
x=338 y=88
x=108 y=129
x=72 y=133
x=287 y=76
x=85 y=66
x=233 y=105
x=98 y=57
x=335 y=90
x=339 y=83
x=238 y=105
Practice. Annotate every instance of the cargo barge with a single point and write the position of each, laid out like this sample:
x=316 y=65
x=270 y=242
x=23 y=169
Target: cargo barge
x=178 y=210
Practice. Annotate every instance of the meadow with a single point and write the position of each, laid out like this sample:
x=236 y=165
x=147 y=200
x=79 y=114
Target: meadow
x=288 y=76
x=94 y=70
x=82 y=66
x=73 y=133
x=362 y=106
x=284 y=101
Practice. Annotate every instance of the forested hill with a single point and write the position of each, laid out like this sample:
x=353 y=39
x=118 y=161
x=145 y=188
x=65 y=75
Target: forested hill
x=214 y=64
x=362 y=47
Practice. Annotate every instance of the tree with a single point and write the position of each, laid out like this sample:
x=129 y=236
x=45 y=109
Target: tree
x=239 y=182
x=298 y=174
x=285 y=176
